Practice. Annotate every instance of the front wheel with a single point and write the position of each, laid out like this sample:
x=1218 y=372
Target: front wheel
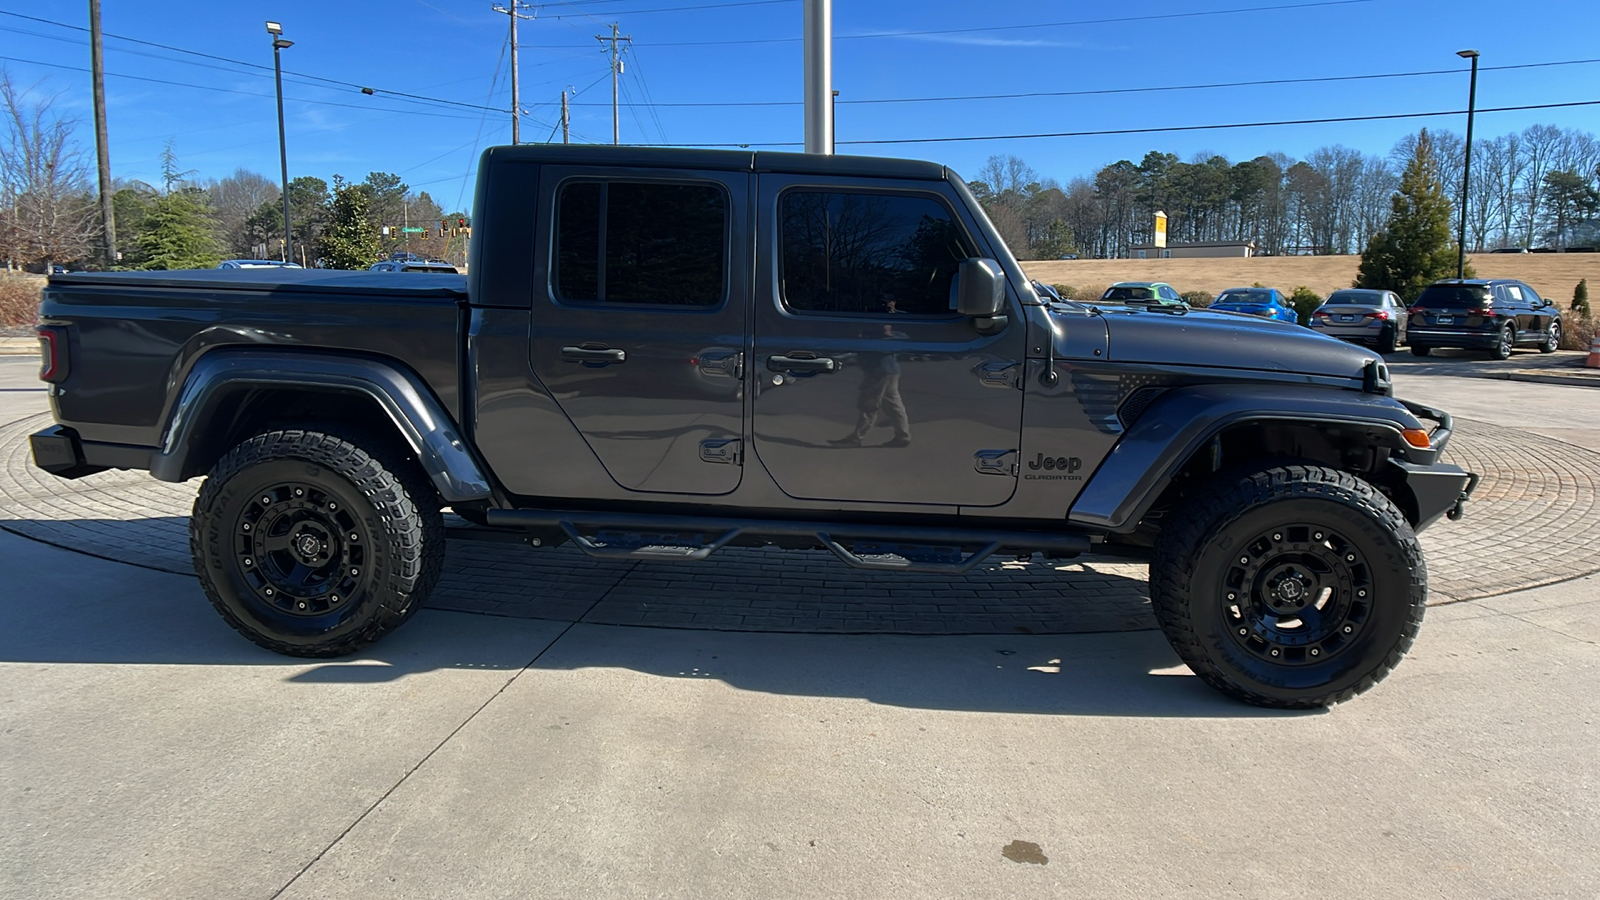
x=1552 y=340
x=311 y=544
x=1292 y=587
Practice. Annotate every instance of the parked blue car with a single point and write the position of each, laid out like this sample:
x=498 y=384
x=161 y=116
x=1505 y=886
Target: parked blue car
x=1269 y=303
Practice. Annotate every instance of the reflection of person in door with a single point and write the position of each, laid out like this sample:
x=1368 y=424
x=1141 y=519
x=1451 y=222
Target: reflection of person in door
x=880 y=389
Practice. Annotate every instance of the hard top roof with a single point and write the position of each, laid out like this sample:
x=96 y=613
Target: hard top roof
x=724 y=160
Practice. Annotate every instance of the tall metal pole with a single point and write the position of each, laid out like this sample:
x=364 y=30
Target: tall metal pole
x=616 y=69
x=108 y=221
x=819 y=76
x=278 y=44
x=1466 y=164
x=566 y=119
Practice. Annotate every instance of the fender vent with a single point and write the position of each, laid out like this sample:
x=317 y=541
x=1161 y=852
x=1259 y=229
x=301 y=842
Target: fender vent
x=1137 y=402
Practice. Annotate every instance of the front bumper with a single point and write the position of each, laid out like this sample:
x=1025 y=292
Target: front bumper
x=1433 y=489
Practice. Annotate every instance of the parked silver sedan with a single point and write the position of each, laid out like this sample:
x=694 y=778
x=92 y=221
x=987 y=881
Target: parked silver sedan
x=1375 y=318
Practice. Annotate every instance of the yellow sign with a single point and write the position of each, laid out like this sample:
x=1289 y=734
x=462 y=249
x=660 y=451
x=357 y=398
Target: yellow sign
x=1161 y=229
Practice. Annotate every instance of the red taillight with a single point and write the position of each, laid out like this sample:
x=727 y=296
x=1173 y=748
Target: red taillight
x=1480 y=312
x=1415 y=311
x=1319 y=314
x=1379 y=314
x=52 y=355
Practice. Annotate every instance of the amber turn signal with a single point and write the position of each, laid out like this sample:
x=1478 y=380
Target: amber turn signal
x=1416 y=437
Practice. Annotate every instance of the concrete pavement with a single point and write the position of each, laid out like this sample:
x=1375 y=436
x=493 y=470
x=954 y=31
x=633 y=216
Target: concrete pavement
x=146 y=751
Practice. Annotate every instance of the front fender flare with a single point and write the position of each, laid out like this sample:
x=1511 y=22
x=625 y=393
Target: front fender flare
x=1178 y=424
x=400 y=393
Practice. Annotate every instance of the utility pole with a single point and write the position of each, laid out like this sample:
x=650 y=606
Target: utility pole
x=511 y=9
x=566 y=119
x=278 y=45
x=818 y=53
x=616 y=69
x=108 y=221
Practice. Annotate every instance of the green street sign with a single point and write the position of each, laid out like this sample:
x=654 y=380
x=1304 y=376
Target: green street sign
x=413 y=230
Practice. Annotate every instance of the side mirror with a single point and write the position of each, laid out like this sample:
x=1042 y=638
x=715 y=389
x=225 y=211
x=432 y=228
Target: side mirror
x=980 y=289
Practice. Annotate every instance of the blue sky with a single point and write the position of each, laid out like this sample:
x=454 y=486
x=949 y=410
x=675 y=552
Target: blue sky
x=221 y=115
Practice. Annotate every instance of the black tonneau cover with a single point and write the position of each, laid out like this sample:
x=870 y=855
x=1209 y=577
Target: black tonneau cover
x=410 y=285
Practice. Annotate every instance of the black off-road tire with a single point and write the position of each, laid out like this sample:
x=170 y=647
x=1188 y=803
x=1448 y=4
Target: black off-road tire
x=315 y=544
x=1552 y=338
x=1212 y=587
x=1420 y=349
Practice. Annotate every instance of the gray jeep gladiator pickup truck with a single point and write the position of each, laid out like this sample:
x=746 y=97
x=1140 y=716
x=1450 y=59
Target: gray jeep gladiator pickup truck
x=659 y=353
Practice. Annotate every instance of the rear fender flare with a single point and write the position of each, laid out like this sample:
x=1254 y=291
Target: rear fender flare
x=404 y=398
x=1183 y=420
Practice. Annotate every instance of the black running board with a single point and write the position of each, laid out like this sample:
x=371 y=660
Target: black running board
x=897 y=548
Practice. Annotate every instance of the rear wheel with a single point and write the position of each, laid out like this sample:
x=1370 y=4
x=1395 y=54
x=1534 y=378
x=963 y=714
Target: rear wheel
x=311 y=544
x=1552 y=340
x=1387 y=342
x=1420 y=349
x=1291 y=587
x=1504 y=343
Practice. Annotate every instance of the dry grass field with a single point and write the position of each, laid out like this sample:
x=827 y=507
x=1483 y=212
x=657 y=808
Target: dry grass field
x=1553 y=275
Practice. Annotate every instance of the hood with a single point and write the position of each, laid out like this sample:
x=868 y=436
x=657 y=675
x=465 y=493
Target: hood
x=1225 y=340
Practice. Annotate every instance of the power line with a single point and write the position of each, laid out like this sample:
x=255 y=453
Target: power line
x=640 y=12
x=1165 y=129
x=240 y=62
x=1077 y=22
x=1134 y=90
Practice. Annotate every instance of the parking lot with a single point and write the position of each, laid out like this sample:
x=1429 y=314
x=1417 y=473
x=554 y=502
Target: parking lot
x=773 y=724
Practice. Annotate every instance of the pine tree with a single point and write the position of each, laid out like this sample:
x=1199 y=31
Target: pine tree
x=176 y=233
x=1415 y=247
x=350 y=240
x=1580 y=298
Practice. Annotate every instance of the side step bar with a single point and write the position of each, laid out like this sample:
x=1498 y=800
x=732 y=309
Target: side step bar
x=897 y=548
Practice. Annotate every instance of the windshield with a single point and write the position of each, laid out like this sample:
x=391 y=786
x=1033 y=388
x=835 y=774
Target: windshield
x=1251 y=296
x=1454 y=296
x=1129 y=293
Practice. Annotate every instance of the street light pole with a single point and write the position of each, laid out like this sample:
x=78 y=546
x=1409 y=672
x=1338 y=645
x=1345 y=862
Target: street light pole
x=279 y=44
x=1466 y=164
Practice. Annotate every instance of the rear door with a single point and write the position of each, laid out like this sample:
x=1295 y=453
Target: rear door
x=639 y=320
x=871 y=387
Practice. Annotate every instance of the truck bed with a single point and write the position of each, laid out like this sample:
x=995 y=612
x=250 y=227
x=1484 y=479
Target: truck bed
x=133 y=336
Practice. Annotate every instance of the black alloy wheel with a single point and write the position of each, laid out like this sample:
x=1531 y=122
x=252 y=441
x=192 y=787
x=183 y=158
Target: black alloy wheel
x=1552 y=339
x=1504 y=343
x=1290 y=587
x=314 y=544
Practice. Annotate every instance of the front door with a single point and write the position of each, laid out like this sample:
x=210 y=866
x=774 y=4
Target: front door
x=869 y=386
x=639 y=321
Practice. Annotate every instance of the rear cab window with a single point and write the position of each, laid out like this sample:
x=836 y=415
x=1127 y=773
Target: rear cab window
x=639 y=243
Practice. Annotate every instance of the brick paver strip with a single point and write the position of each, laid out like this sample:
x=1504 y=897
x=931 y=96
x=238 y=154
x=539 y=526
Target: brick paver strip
x=1535 y=520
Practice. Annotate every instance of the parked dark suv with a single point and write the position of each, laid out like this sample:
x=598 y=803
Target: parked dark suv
x=1495 y=315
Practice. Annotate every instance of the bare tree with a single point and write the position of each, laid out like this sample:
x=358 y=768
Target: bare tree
x=47 y=211
x=233 y=201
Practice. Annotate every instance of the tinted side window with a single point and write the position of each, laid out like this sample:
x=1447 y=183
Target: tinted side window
x=868 y=253
x=635 y=242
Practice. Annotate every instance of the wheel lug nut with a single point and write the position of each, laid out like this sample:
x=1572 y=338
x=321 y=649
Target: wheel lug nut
x=266 y=501
x=1244 y=560
x=301 y=604
x=1348 y=629
x=355 y=571
x=269 y=592
x=354 y=536
x=1349 y=557
x=1315 y=652
x=1361 y=593
x=334 y=598
x=1274 y=652
x=1244 y=631
x=1277 y=537
x=248 y=562
x=333 y=506
x=1232 y=597
x=247 y=526
x=299 y=492
x=1317 y=536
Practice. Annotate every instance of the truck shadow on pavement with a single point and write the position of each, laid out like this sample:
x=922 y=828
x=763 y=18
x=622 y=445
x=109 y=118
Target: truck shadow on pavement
x=72 y=609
